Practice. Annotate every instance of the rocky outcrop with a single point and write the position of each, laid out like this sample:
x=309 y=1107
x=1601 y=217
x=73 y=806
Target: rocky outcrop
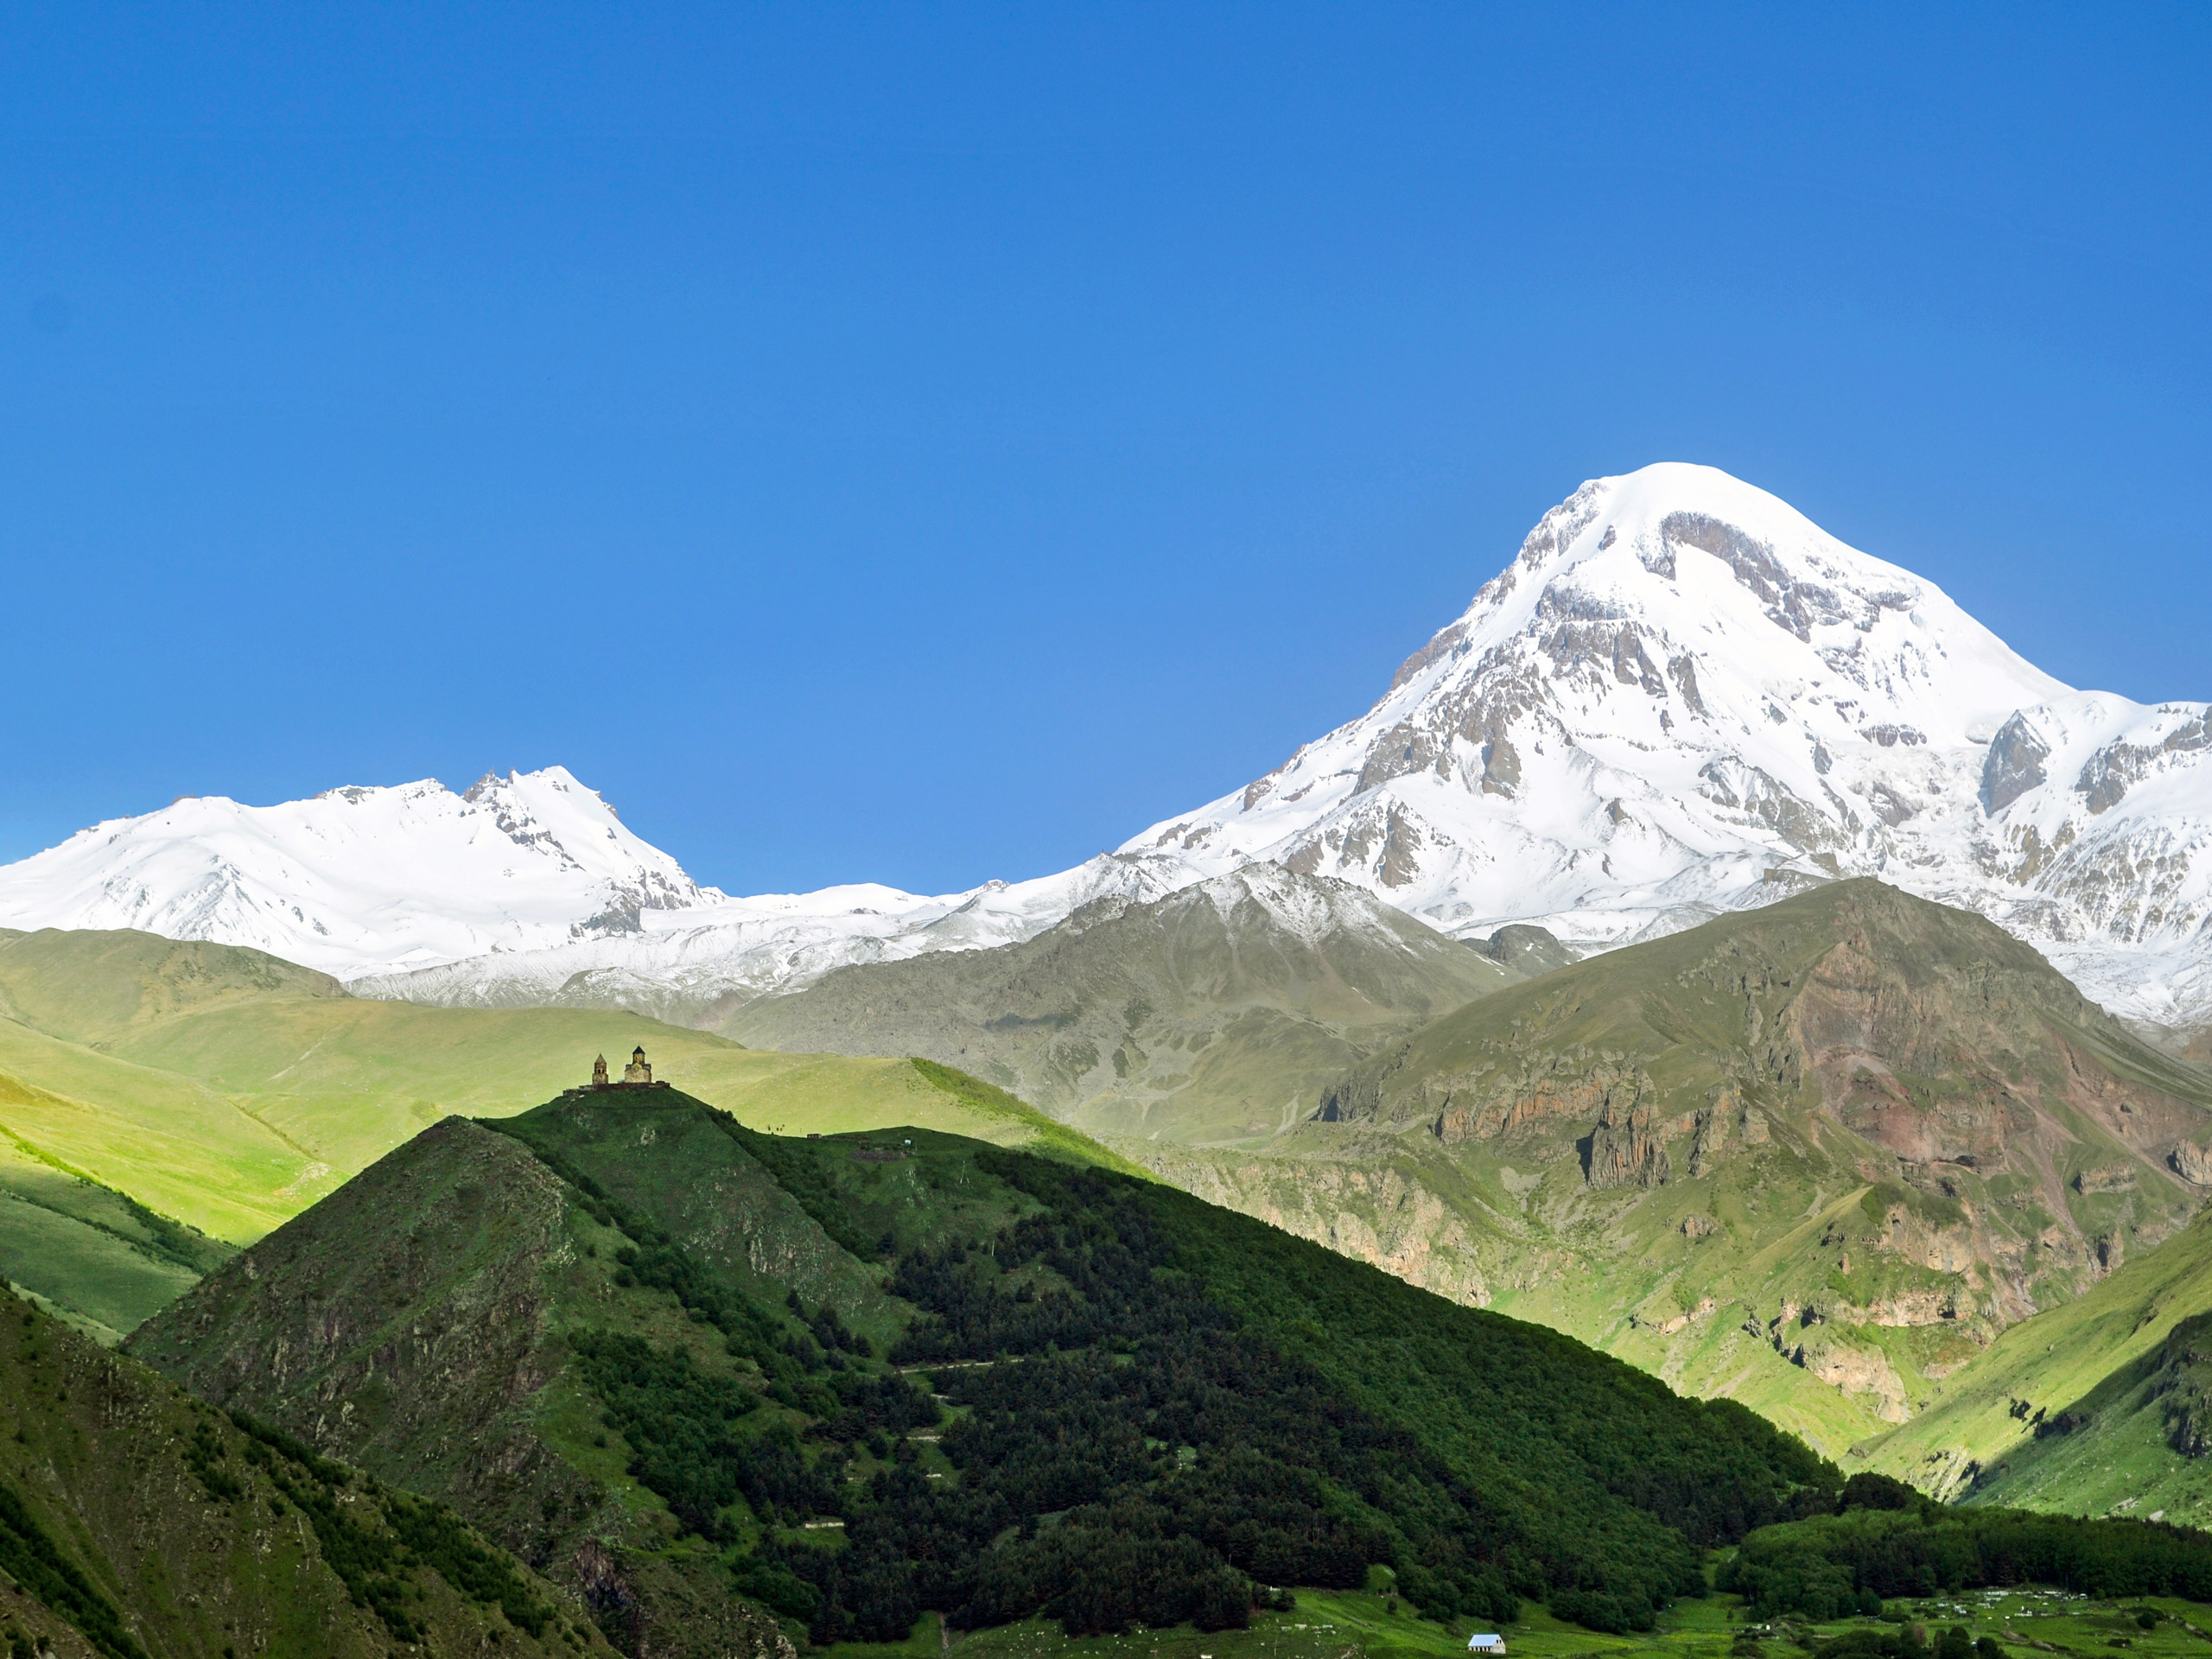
x=2108 y=774
x=1564 y=1088
x=2108 y=1179
x=1854 y=1371
x=1625 y=1149
x=1905 y=1308
x=2013 y=764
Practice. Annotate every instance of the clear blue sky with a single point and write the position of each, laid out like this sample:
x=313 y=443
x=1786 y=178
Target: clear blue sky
x=922 y=444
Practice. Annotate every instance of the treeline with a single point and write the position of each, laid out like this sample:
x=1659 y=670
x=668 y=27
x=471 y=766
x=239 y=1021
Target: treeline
x=1838 y=1564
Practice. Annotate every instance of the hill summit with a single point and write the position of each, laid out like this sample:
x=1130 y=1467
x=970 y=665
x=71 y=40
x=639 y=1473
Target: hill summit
x=1816 y=1156
x=693 y=1372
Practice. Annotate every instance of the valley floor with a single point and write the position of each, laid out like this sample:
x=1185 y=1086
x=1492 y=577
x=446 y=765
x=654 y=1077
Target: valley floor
x=1332 y=1625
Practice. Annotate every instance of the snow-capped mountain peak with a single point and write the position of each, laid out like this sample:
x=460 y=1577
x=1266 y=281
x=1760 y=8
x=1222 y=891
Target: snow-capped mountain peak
x=362 y=878
x=1683 y=695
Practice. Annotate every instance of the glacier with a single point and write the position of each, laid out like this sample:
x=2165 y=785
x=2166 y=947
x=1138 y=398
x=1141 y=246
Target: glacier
x=359 y=880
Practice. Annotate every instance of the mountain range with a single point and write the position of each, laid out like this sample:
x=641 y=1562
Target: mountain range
x=1216 y=1014
x=1680 y=697
x=1816 y=1156
x=1714 y=946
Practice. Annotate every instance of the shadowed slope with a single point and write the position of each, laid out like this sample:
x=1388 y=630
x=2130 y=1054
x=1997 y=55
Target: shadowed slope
x=137 y=1523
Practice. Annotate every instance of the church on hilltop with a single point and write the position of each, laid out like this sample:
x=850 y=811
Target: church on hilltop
x=636 y=1075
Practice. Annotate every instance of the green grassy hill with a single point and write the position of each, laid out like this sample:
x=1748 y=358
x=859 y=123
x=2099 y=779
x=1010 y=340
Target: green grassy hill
x=137 y=1523
x=1214 y=1015
x=866 y=1377
x=2089 y=1409
x=1814 y=1157
x=163 y=1102
x=85 y=987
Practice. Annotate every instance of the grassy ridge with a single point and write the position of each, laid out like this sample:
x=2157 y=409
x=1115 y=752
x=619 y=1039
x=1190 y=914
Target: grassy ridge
x=228 y=1090
x=2095 y=1345
x=1138 y=1409
x=103 y=1261
x=179 y=1146
x=1210 y=1015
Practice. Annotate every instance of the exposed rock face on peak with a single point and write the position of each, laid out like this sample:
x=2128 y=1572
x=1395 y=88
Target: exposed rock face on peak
x=2014 y=765
x=1683 y=697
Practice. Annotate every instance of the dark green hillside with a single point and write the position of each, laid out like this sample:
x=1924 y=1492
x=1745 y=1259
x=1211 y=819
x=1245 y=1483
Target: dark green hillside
x=137 y=1523
x=1830 y=1566
x=854 y=1378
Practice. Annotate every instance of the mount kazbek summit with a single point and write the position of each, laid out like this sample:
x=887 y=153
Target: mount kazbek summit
x=1680 y=697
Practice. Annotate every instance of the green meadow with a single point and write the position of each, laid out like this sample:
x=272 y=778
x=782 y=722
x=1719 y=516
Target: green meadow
x=2025 y=1621
x=163 y=1101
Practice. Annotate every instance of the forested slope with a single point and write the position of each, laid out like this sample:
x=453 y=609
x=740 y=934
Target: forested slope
x=137 y=1523
x=853 y=1378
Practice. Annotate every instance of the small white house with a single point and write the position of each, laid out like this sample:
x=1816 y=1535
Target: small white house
x=1486 y=1643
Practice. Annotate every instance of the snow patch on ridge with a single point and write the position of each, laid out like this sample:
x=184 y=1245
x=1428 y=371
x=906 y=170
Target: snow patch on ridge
x=723 y=953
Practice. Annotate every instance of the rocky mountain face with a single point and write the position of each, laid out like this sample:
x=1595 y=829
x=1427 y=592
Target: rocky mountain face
x=1216 y=1014
x=1682 y=697
x=1815 y=1156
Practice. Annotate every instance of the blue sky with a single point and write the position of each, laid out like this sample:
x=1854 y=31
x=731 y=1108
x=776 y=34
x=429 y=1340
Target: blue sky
x=926 y=444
